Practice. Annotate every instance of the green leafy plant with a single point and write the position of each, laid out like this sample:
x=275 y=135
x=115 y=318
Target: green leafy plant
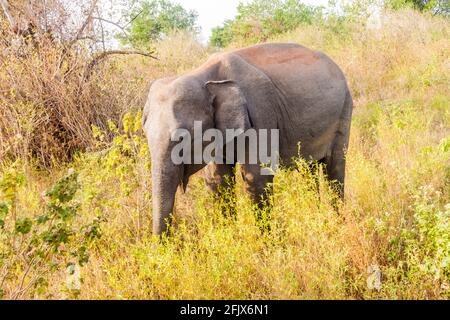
x=435 y=6
x=39 y=246
x=151 y=19
x=260 y=19
x=428 y=242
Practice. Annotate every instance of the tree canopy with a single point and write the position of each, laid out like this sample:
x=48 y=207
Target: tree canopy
x=261 y=19
x=152 y=19
x=434 y=6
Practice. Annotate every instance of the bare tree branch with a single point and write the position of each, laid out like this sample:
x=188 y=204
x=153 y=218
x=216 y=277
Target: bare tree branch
x=101 y=56
x=102 y=31
x=86 y=22
x=112 y=23
x=134 y=18
x=8 y=15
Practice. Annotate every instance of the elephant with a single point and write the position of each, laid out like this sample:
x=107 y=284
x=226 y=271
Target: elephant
x=300 y=92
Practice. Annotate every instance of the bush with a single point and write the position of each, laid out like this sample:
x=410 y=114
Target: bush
x=151 y=20
x=33 y=248
x=50 y=97
x=435 y=6
x=261 y=19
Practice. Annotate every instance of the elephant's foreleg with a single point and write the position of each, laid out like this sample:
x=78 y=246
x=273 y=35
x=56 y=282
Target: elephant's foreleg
x=220 y=179
x=260 y=188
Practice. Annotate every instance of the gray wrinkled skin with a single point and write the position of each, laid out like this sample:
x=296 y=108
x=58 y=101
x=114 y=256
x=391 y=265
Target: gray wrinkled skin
x=301 y=92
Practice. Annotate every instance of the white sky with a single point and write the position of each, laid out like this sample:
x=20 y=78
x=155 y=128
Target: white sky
x=212 y=13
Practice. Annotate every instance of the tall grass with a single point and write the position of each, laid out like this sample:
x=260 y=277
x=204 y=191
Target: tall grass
x=390 y=239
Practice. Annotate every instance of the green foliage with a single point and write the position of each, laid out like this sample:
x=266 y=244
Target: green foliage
x=10 y=181
x=127 y=148
x=258 y=20
x=3 y=212
x=221 y=36
x=152 y=19
x=37 y=247
x=434 y=6
x=420 y=254
x=23 y=226
x=120 y=170
x=65 y=189
x=428 y=241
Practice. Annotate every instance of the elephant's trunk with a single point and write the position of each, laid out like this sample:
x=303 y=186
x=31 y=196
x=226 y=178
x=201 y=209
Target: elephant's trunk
x=165 y=179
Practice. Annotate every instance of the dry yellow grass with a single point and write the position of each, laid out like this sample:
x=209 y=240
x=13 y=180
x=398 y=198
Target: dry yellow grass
x=396 y=217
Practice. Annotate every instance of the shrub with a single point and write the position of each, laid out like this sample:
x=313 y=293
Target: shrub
x=435 y=6
x=35 y=247
x=152 y=19
x=49 y=103
x=261 y=19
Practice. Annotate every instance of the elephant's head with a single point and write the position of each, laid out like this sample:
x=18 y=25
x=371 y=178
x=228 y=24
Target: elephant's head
x=175 y=104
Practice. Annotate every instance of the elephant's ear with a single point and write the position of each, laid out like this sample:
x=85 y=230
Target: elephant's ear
x=146 y=110
x=229 y=105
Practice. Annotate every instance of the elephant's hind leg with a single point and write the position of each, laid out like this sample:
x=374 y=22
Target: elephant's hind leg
x=335 y=168
x=335 y=160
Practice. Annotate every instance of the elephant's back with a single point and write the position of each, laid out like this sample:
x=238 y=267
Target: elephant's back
x=291 y=62
x=312 y=91
x=265 y=56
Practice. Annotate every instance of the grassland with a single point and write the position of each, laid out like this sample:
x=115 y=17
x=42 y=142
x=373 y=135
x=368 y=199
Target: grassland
x=89 y=236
